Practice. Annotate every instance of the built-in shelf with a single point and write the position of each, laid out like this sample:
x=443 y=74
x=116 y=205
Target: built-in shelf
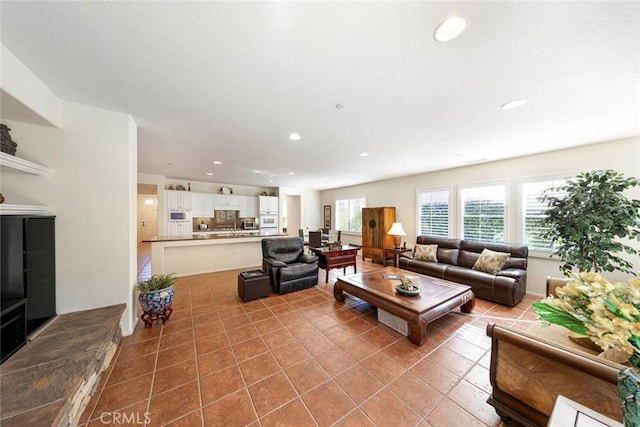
x=17 y=163
x=9 y=209
x=13 y=162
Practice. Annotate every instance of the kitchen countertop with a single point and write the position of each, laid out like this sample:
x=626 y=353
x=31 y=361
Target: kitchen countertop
x=217 y=235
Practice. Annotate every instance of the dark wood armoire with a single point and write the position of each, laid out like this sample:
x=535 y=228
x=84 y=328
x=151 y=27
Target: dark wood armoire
x=375 y=224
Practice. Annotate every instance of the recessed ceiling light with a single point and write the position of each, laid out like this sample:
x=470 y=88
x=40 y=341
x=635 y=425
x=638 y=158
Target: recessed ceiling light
x=294 y=137
x=291 y=173
x=515 y=103
x=450 y=29
x=339 y=106
x=209 y=173
x=216 y=162
x=363 y=154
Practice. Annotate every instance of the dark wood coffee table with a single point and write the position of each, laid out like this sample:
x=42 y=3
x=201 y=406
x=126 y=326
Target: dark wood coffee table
x=437 y=297
x=329 y=259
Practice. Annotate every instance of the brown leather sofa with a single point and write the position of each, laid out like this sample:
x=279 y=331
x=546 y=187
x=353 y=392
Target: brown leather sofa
x=529 y=370
x=455 y=261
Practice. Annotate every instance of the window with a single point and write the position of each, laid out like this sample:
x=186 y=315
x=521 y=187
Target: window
x=349 y=214
x=532 y=212
x=434 y=212
x=483 y=213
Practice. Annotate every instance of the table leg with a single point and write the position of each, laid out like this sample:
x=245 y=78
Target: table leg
x=337 y=293
x=417 y=330
x=468 y=306
x=326 y=277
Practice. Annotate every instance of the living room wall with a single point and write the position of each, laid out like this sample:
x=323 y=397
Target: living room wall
x=620 y=155
x=92 y=192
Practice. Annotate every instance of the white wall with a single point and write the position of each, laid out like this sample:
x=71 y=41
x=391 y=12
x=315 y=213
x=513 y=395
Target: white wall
x=25 y=95
x=92 y=192
x=309 y=207
x=622 y=156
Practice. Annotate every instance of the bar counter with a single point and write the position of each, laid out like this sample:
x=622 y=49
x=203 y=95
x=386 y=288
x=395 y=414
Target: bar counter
x=207 y=253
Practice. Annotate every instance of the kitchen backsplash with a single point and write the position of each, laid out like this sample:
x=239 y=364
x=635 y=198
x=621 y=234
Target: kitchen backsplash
x=224 y=220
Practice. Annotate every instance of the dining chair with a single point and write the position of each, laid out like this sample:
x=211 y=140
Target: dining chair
x=301 y=234
x=315 y=239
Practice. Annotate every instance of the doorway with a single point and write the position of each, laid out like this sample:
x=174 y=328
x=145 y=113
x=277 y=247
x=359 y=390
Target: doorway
x=147 y=216
x=293 y=215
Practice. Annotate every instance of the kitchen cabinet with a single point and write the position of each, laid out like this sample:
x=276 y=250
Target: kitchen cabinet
x=227 y=203
x=203 y=205
x=375 y=224
x=248 y=206
x=180 y=229
x=178 y=199
x=268 y=204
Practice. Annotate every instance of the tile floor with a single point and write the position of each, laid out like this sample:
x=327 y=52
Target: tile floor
x=300 y=359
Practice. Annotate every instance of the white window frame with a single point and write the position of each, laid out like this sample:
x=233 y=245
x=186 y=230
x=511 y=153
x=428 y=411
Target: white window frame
x=349 y=200
x=536 y=252
x=432 y=190
x=505 y=185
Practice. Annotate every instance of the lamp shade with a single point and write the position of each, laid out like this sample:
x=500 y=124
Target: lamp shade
x=397 y=230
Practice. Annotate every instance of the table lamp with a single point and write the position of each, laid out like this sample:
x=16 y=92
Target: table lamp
x=397 y=232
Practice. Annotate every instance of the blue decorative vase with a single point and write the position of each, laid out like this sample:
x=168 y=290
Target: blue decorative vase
x=629 y=390
x=157 y=301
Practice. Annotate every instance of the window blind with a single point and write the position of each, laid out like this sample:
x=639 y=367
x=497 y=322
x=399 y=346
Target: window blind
x=433 y=212
x=349 y=214
x=532 y=213
x=483 y=213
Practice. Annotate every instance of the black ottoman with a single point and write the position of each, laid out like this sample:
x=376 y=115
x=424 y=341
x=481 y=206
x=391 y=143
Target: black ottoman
x=253 y=284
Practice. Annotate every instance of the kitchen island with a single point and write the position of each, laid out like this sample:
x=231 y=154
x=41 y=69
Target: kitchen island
x=207 y=252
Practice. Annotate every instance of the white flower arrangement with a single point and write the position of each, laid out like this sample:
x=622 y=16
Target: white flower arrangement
x=591 y=306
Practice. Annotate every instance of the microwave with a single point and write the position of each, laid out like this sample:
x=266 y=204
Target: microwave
x=179 y=215
x=249 y=225
x=268 y=221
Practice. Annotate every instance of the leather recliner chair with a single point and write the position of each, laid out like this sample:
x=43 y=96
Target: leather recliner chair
x=288 y=267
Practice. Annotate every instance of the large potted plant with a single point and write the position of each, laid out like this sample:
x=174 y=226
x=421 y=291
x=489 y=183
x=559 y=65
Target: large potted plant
x=156 y=297
x=588 y=220
x=589 y=217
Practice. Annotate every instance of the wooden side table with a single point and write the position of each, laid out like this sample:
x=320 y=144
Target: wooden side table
x=396 y=252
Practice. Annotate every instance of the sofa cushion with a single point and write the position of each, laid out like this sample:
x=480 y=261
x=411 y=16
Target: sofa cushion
x=433 y=269
x=448 y=249
x=295 y=271
x=491 y=261
x=426 y=252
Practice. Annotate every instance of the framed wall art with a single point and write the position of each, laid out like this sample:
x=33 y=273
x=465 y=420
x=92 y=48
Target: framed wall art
x=327 y=216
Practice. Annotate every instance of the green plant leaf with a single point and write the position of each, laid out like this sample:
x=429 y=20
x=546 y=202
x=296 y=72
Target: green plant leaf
x=559 y=317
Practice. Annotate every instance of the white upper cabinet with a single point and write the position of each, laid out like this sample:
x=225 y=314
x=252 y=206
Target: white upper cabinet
x=248 y=206
x=268 y=205
x=178 y=200
x=227 y=202
x=203 y=205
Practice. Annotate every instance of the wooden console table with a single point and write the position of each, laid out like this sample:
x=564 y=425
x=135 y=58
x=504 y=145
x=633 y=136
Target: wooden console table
x=336 y=258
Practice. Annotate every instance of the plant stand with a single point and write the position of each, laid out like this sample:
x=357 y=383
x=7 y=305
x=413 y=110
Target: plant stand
x=148 y=317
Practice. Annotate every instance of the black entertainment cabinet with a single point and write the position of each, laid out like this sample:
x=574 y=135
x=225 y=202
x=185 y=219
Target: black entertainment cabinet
x=27 y=277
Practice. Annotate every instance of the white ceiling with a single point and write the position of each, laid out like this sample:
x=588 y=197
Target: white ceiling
x=230 y=81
